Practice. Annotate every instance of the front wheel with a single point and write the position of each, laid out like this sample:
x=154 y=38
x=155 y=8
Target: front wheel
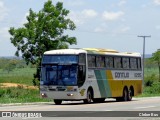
x=89 y=97
x=57 y=102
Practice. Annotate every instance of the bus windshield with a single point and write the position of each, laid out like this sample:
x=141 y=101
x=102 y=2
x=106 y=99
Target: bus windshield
x=61 y=75
x=60 y=59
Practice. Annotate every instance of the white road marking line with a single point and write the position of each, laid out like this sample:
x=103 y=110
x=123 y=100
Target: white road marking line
x=144 y=107
x=108 y=110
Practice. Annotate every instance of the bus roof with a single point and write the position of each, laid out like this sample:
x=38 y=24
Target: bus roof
x=92 y=51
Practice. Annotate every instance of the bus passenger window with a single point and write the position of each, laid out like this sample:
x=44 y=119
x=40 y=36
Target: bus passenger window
x=91 y=61
x=125 y=62
x=117 y=62
x=139 y=63
x=133 y=63
x=100 y=61
x=109 y=62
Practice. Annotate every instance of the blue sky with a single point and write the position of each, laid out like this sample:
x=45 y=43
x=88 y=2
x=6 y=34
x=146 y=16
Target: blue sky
x=113 y=24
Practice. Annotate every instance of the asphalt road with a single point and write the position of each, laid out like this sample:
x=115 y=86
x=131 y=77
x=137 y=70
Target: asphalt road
x=138 y=108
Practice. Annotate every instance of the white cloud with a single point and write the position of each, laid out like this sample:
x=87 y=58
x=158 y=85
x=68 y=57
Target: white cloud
x=122 y=2
x=83 y=16
x=110 y=16
x=3 y=11
x=89 y=13
x=156 y=2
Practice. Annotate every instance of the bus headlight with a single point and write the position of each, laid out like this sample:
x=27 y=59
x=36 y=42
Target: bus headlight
x=44 y=95
x=70 y=94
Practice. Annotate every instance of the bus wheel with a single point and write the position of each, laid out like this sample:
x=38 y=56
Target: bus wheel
x=57 y=102
x=125 y=95
x=98 y=100
x=130 y=95
x=89 y=97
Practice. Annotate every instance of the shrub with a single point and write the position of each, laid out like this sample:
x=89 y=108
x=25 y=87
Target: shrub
x=149 y=80
x=153 y=89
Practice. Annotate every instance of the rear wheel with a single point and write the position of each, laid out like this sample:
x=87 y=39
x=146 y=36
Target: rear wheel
x=89 y=97
x=57 y=102
x=125 y=95
x=130 y=95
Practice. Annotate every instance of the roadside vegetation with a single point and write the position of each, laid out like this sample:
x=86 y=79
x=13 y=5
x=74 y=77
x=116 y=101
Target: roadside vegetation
x=16 y=84
x=152 y=76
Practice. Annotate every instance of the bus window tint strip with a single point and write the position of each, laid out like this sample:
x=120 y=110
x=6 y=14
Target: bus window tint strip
x=60 y=59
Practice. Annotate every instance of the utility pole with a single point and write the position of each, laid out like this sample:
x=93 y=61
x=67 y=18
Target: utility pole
x=144 y=37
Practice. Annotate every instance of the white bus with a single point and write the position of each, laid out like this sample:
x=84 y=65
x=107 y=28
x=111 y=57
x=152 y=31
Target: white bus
x=90 y=74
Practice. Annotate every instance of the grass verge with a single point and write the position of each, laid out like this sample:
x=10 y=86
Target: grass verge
x=20 y=95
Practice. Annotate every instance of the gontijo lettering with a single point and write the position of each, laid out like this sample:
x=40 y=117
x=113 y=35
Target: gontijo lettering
x=121 y=74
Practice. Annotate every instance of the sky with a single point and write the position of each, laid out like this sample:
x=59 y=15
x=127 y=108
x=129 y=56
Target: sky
x=110 y=24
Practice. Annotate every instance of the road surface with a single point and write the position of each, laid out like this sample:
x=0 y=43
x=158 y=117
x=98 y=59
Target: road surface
x=138 y=108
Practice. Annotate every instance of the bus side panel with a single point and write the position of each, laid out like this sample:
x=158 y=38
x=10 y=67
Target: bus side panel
x=117 y=85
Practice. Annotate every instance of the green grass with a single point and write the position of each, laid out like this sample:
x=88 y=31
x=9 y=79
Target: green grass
x=21 y=75
x=20 y=95
x=150 y=71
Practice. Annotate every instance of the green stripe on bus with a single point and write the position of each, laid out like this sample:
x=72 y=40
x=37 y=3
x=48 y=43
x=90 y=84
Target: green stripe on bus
x=100 y=83
x=106 y=83
x=103 y=83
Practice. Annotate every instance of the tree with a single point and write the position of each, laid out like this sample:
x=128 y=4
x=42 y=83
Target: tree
x=156 y=58
x=43 y=31
x=10 y=65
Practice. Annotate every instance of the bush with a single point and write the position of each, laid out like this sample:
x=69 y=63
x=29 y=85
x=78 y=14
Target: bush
x=149 y=80
x=154 y=89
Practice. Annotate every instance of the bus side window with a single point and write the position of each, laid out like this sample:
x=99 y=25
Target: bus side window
x=109 y=62
x=133 y=63
x=117 y=62
x=125 y=63
x=139 y=63
x=100 y=61
x=91 y=61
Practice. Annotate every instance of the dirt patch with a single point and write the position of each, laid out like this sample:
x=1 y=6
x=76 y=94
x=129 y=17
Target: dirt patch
x=5 y=85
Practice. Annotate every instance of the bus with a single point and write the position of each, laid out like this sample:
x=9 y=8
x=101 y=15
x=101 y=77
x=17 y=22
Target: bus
x=90 y=74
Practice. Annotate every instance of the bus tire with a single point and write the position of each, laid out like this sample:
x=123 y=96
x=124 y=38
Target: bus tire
x=125 y=95
x=89 y=97
x=57 y=102
x=98 y=100
x=130 y=95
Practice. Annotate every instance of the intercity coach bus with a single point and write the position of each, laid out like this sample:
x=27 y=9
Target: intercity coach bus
x=90 y=74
